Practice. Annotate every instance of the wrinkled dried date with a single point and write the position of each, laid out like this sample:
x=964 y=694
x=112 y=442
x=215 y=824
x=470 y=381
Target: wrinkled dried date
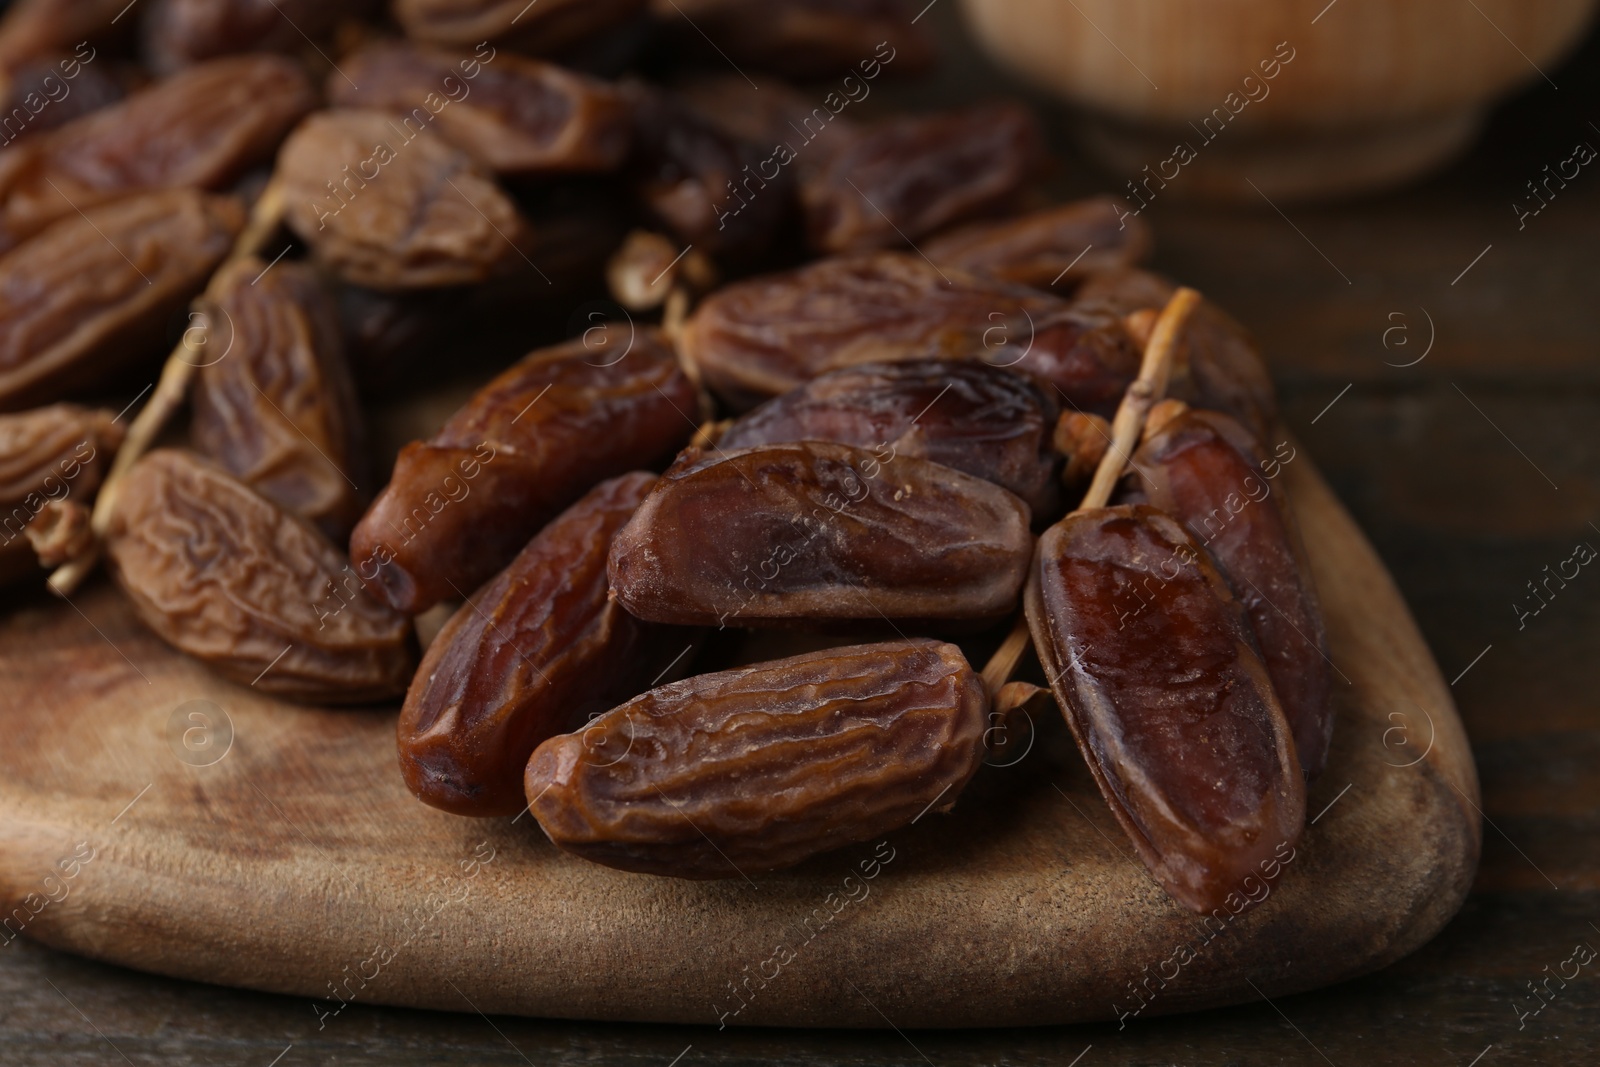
x=532 y=441
x=33 y=29
x=1155 y=670
x=814 y=531
x=515 y=116
x=535 y=652
x=225 y=575
x=46 y=93
x=198 y=129
x=899 y=179
x=389 y=205
x=764 y=336
x=801 y=39
x=758 y=768
x=690 y=175
x=542 y=28
x=48 y=454
x=1204 y=470
x=1053 y=246
x=1223 y=366
x=95 y=292
x=273 y=401
x=178 y=33
x=988 y=422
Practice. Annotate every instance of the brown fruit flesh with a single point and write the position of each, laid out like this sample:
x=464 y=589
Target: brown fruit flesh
x=1153 y=665
x=514 y=116
x=222 y=573
x=274 y=404
x=96 y=292
x=1192 y=470
x=462 y=504
x=392 y=206
x=898 y=180
x=813 y=531
x=529 y=656
x=200 y=129
x=984 y=421
x=754 y=769
x=762 y=337
x=1055 y=246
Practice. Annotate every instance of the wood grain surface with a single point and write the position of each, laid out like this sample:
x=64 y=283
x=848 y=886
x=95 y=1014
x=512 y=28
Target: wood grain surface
x=1470 y=470
x=273 y=846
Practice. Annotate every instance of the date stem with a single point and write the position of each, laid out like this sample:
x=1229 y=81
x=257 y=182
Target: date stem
x=1141 y=396
x=997 y=672
x=171 y=391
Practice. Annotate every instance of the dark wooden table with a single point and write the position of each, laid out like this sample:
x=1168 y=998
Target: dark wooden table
x=1472 y=470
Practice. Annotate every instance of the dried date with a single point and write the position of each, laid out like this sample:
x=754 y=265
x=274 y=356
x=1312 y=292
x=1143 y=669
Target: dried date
x=274 y=404
x=988 y=422
x=766 y=335
x=387 y=206
x=198 y=129
x=47 y=455
x=515 y=116
x=225 y=575
x=95 y=292
x=1204 y=470
x=533 y=654
x=543 y=28
x=755 y=769
x=1222 y=365
x=33 y=29
x=802 y=39
x=814 y=531
x=1046 y=248
x=532 y=441
x=178 y=33
x=1155 y=670
x=897 y=180
x=43 y=94
x=702 y=183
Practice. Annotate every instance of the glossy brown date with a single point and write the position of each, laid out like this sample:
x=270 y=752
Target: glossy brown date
x=819 y=532
x=1204 y=470
x=178 y=33
x=529 y=443
x=1222 y=365
x=534 y=653
x=803 y=39
x=897 y=180
x=754 y=769
x=1155 y=669
x=1055 y=246
x=514 y=116
x=95 y=292
x=988 y=422
x=199 y=129
x=385 y=204
x=225 y=575
x=764 y=336
x=274 y=404
x=541 y=28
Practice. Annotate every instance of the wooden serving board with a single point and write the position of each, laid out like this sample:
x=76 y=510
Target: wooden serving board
x=274 y=847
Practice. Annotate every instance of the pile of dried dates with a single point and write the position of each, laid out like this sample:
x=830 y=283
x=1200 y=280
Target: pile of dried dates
x=854 y=378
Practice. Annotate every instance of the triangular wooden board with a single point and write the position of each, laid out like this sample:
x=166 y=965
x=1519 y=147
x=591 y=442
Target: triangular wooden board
x=297 y=863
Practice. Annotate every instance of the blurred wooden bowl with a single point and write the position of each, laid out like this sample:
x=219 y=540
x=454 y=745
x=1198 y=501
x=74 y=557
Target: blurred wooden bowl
x=1375 y=92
